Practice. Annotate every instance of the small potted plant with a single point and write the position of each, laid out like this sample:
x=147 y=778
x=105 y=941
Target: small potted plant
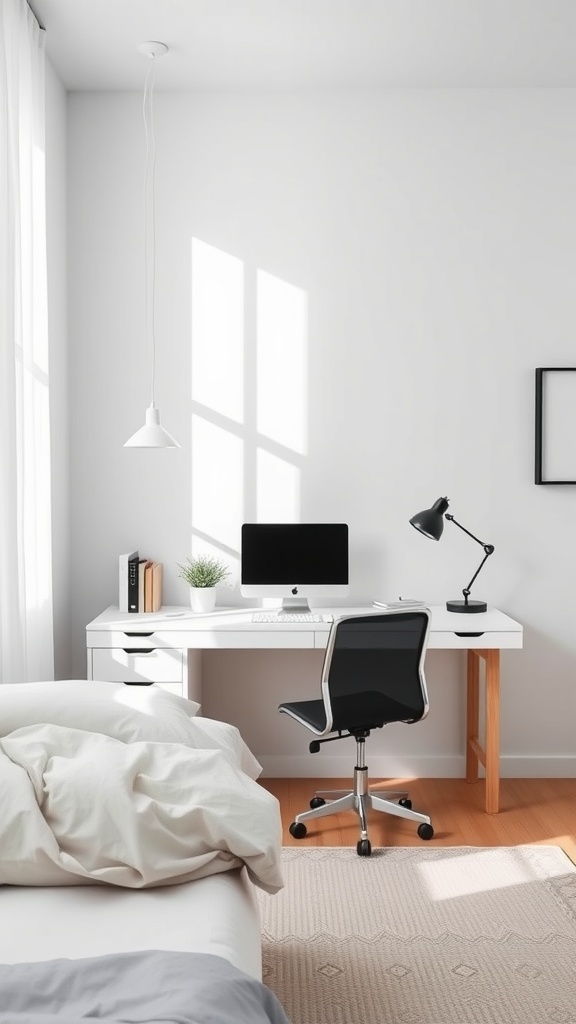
x=203 y=574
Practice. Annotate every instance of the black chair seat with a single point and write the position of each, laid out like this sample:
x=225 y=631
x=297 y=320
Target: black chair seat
x=309 y=712
x=365 y=710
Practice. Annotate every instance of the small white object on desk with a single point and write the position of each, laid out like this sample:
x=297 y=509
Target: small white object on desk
x=402 y=602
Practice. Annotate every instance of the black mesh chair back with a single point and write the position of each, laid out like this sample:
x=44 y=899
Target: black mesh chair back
x=373 y=670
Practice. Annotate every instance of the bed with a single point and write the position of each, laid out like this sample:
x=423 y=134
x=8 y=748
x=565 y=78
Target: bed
x=132 y=836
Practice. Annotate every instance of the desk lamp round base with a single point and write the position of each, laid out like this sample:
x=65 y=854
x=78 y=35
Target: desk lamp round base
x=469 y=607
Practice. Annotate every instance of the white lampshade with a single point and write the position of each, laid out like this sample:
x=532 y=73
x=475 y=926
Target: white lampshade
x=151 y=435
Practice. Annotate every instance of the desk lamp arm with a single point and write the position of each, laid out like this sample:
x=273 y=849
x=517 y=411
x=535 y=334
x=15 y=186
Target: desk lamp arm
x=488 y=550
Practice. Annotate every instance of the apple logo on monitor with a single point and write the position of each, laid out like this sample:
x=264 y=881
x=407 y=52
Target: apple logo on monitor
x=294 y=590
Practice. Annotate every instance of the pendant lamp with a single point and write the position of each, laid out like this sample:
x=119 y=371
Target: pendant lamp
x=152 y=434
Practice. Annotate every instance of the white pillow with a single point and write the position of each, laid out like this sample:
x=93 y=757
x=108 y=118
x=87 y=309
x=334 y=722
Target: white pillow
x=128 y=713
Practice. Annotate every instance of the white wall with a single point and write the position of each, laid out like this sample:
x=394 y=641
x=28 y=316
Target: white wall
x=432 y=236
x=56 y=257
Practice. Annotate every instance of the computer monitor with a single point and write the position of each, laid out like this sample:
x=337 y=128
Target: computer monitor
x=294 y=561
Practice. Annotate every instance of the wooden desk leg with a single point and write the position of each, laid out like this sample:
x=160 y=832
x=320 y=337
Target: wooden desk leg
x=492 y=731
x=472 y=715
x=489 y=755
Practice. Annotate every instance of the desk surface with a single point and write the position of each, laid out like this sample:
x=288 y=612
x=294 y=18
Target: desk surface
x=230 y=627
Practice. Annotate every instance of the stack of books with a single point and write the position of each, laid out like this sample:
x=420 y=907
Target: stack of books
x=139 y=583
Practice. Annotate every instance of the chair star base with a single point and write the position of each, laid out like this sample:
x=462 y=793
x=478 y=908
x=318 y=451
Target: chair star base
x=361 y=799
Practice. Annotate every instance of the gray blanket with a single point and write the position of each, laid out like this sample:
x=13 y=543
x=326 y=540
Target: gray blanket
x=139 y=988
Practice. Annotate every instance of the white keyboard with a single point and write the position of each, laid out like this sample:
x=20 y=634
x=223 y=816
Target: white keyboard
x=289 y=617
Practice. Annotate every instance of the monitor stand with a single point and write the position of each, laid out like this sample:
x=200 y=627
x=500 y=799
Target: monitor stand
x=295 y=606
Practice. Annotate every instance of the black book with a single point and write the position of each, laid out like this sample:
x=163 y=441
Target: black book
x=133 y=603
x=123 y=579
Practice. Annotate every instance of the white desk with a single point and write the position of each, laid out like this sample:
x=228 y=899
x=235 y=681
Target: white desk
x=165 y=647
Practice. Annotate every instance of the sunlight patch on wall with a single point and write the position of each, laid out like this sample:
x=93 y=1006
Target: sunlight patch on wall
x=282 y=342
x=249 y=392
x=277 y=490
x=217 y=330
x=217 y=482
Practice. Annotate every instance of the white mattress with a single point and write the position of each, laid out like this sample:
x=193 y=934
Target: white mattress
x=217 y=914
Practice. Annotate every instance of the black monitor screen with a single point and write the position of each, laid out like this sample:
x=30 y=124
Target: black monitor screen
x=284 y=553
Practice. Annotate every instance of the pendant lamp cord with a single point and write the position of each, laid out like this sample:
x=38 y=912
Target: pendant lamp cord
x=150 y=218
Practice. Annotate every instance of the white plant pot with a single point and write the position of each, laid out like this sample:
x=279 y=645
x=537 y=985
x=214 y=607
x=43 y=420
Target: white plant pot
x=202 y=599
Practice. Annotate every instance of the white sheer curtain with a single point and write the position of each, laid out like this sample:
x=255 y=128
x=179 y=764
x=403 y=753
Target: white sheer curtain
x=26 y=629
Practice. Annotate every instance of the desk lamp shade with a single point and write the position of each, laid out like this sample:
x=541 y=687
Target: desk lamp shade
x=152 y=434
x=430 y=522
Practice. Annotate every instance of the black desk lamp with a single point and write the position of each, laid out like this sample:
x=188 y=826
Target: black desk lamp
x=430 y=522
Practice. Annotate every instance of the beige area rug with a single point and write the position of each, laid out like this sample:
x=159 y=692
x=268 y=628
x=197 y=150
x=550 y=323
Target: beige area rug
x=458 y=935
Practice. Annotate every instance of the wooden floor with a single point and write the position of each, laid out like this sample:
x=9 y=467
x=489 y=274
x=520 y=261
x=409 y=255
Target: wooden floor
x=532 y=811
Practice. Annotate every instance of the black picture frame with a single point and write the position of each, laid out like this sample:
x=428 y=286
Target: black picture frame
x=555 y=425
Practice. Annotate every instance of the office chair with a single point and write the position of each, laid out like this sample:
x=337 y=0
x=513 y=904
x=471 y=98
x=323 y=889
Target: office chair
x=373 y=674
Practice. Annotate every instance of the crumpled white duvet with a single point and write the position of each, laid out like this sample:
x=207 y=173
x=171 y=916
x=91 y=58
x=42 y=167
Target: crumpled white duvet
x=78 y=807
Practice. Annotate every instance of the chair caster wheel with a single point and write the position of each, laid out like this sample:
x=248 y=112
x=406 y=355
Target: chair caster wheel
x=363 y=848
x=317 y=801
x=404 y=802
x=298 y=829
x=425 y=831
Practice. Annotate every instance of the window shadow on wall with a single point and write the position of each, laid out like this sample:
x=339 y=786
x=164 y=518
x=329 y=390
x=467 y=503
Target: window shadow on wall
x=249 y=393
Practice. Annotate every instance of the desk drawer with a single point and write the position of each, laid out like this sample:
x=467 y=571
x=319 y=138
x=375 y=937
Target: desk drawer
x=258 y=639
x=138 y=638
x=488 y=640
x=147 y=666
